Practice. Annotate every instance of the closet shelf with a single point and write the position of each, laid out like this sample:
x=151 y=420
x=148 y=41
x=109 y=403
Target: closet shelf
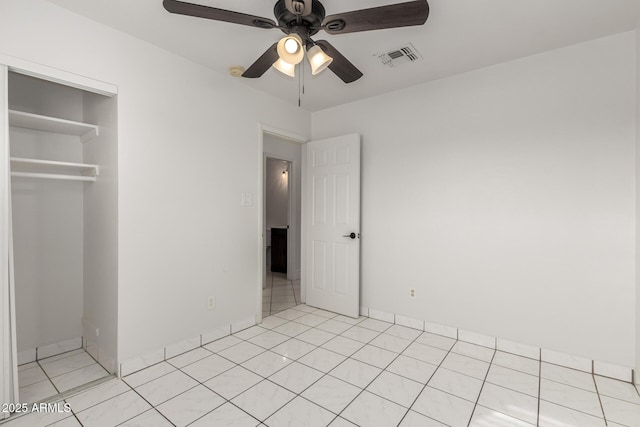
x=49 y=169
x=24 y=120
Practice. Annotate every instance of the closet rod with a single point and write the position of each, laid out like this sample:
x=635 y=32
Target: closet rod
x=53 y=176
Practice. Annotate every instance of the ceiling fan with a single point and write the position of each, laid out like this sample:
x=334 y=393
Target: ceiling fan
x=301 y=19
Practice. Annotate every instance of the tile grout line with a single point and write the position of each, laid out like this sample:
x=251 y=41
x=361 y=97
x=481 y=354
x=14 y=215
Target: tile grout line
x=199 y=383
x=475 y=405
x=150 y=404
x=604 y=417
x=317 y=346
x=426 y=383
x=562 y=405
x=49 y=378
x=102 y=401
x=261 y=376
x=297 y=360
x=363 y=389
x=327 y=373
x=539 y=386
x=324 y=374
x=203 y=385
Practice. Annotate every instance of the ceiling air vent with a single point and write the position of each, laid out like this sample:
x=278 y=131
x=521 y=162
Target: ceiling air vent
x=403 y=55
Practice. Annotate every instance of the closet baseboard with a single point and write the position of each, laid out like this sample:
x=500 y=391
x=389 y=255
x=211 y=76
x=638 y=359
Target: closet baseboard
x=100 y=355
x=50 y=350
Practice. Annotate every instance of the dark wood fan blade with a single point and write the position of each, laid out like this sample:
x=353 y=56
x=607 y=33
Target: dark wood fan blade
x=207 y=12
x=377 y=18
x=340 y=65
x=262 y=64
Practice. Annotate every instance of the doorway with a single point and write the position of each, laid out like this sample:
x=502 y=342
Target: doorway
x=280 y=252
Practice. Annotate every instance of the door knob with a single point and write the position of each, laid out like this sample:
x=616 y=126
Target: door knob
x=351 y=235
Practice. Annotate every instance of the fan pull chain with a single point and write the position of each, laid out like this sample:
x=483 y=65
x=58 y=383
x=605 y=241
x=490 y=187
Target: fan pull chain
x=300 y=84
x=299 y=79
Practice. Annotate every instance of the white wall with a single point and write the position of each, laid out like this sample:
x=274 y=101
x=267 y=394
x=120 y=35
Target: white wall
x=505 y=197
x=100 y=269
x=47 y=221
x=188 y=146
x=277 y=193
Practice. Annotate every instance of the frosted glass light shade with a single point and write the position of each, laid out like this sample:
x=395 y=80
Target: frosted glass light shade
x=318 y=59
x=285 y=68
x=290 y=49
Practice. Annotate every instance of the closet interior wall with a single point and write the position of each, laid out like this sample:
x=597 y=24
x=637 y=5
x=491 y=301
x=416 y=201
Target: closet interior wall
x=65 y=231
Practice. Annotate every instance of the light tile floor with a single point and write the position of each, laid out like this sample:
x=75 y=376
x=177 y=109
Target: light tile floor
x=57 y=374
x=309 y=367
x=279 y=294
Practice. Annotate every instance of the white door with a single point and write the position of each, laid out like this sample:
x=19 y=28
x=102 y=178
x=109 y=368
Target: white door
x=332 y=224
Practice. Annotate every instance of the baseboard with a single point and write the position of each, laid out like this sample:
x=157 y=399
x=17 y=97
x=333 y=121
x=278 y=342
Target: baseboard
x=162 y=354
x=525 y=350
x=49 y=350
x=105 y=360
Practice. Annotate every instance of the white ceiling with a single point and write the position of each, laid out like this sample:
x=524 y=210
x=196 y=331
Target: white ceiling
x=460 y=35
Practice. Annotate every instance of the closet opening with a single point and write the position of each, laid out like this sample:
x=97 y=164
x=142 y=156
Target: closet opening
x=64 y=186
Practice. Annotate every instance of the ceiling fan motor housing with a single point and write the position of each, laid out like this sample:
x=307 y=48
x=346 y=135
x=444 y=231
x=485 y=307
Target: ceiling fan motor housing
x=308 y=25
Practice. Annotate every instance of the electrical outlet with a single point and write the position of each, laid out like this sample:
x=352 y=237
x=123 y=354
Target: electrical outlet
x=412 y=293
x=97 y=332
x=211 y=302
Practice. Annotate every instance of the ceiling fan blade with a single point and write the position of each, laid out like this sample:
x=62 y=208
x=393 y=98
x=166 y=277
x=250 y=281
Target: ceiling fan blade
x=262 y=64
x=201 y=11
x=340 y=65
x=377 y=18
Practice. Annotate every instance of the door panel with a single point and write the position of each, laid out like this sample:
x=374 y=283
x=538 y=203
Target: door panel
x=332 y=193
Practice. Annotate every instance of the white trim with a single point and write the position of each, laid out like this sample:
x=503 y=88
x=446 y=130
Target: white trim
x=44 y=72
x=216 y=334
x=51 y=350
x=568 y=360
x=26 y=356
x=138 y=363
x=612 y=371
x=382 y=315
x=520 y=349
x=303 y=230
x=8 y=352
x=595 y=367
x=290 y=136
x=176 y=349
x=478 y=339
x=409 y=322
x=436 y=328
x=156 y=356
x=244 y=324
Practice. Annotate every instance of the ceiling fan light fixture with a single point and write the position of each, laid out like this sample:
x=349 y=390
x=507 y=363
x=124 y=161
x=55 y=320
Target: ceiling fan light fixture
x=318 y=59
x=290 y=49
x=291 y=46
x=285 y=68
